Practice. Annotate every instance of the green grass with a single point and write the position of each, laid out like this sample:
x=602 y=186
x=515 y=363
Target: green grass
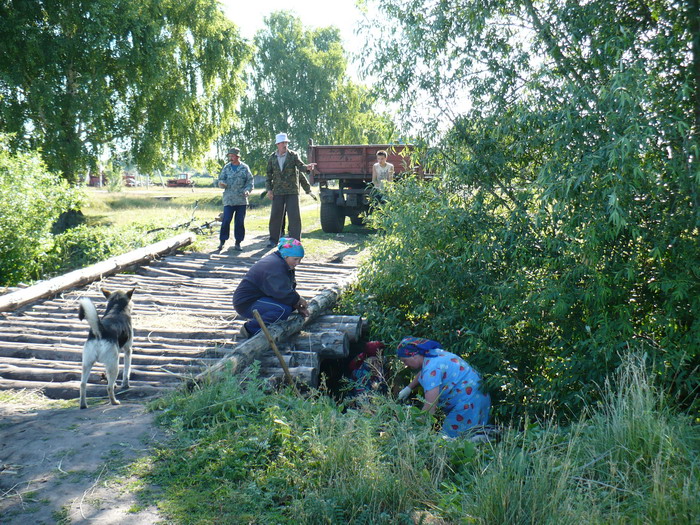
x=157 y=207
x=243 y=453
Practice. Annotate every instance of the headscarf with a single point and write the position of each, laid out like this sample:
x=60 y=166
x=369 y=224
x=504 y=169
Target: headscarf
x=410 y=346
x=370 y=350
x=289 y=247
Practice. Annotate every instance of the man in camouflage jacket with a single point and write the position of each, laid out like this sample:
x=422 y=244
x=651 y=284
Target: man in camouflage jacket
x=237 y=183
x=285 y=172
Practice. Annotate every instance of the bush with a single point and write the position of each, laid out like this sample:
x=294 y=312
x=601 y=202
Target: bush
x=543 y=315
x=85 y=245
x=31 y=199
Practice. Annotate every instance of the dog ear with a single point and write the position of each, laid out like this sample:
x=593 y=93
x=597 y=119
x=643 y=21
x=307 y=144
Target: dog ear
x=130 y=293
x=106 y=293
x=81 y=312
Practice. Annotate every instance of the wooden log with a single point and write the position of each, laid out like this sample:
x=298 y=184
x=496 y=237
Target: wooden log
x=328 y=345
x=350 y=324
x=77 y=355
x=273 y=345
x=27 y=373
x=251 y=350
x=71 y=389
x=353 y=330
x=339 y=319
x=92 y=273
x=170 y=369
x=309 y=359
x=304 y=374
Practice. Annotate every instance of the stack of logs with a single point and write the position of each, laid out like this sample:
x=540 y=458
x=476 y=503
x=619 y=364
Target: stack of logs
x=327 y=337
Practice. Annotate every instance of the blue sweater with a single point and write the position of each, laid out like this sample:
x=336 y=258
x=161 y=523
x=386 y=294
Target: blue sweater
x=271 y=277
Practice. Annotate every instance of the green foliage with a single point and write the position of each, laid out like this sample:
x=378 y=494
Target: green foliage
x=632 y=461
x=247 y=453
x=85 y=245
x=31 y=199
x=158 y=77
x=298 y=84
x=565 y=225
x=244 y=453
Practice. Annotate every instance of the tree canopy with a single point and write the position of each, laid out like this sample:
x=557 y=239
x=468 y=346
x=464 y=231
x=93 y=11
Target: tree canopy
x=297 y=83
x=566 y=224
x=160 y=78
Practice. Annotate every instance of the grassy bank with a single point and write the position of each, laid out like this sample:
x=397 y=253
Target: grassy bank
x=157 y=207
x=243 y=453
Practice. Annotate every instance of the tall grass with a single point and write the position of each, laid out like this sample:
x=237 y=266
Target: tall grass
x=631 y=461
x=245 y=453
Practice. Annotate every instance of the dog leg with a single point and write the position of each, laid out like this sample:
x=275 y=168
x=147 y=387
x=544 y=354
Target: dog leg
x=88 y=361
x=112 y=369
x=127 y=364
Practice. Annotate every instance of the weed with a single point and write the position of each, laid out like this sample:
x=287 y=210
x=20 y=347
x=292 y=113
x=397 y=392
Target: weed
x=62 y=516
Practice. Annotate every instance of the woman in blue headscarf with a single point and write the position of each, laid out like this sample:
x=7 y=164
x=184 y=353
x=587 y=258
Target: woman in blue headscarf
x=448 y=382
x=270 y=288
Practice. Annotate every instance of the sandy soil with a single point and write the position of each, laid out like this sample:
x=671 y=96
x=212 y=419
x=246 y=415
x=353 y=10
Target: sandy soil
x=65 y=465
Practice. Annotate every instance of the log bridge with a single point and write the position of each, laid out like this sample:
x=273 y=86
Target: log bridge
x=185 y=328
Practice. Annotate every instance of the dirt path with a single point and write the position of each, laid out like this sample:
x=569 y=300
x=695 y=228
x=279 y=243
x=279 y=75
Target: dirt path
x=65 y=465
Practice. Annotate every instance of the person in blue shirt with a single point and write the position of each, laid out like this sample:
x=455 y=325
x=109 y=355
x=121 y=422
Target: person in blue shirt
x=237 y=182
x=448 y=382
x=270 y=288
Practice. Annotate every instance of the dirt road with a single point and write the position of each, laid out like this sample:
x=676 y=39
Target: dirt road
x=65 y=465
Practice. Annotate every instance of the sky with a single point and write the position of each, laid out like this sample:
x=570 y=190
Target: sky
x=248 y=15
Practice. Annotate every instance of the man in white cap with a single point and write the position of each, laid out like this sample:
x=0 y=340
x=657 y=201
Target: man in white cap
x=237 y=183
x=285 y=172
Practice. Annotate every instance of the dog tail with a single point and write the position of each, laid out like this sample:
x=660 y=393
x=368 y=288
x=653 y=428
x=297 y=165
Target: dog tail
x=88 y=311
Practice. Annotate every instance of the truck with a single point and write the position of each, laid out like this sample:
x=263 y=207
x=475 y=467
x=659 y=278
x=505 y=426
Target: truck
x=351 y=167
x=183 y=181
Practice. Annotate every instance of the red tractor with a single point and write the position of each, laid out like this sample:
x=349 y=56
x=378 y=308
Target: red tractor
x=183 y=181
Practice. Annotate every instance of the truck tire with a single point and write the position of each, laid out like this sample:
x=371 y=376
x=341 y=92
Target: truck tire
x=332 y=217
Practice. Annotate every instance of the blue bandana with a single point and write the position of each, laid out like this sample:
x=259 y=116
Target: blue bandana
x=289 y=247
x=410 y=346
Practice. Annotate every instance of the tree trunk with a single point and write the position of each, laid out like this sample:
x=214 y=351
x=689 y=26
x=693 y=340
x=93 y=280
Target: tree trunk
x=348 y=324
x=329 y=345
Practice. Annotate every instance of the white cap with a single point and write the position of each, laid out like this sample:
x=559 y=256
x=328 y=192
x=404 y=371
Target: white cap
x=281 y=137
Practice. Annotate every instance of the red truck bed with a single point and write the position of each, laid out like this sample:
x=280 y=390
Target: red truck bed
x=355 y=162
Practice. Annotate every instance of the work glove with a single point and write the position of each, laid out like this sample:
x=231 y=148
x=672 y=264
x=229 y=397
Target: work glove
x=404 y=393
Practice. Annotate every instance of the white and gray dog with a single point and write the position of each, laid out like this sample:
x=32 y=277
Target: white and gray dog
x=107 y=336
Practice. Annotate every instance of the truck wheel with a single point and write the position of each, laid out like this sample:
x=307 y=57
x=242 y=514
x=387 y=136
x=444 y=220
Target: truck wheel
x=332 y=218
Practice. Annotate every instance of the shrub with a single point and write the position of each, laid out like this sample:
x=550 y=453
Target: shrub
x=85 y=245
x=542 y=314
x=31 y=199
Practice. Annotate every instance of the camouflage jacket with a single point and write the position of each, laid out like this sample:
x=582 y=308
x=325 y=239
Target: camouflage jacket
x=238 y=180
x=286 y=181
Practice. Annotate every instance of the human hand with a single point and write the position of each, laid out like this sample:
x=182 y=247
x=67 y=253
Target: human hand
x=246 y=193
x=270 y=195
x=311 y=165
x=302 y=307
x=311 y=194
x=405 y=393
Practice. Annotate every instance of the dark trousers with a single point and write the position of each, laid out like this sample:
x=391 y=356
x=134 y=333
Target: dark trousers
x=270 y=311
x=282 y=204
x=238 y=224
